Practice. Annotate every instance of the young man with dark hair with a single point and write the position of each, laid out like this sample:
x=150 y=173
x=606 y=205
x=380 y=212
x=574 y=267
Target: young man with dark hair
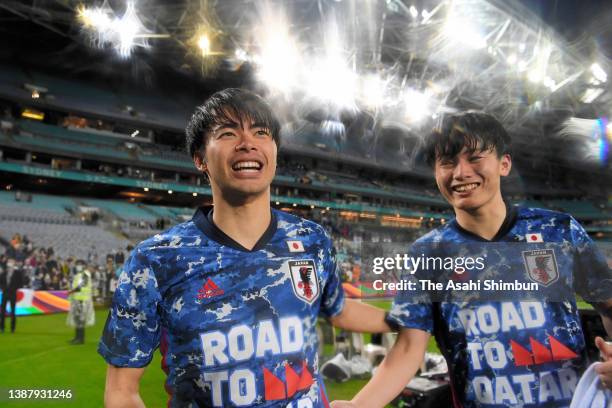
x=233 y=295
x=500 y=352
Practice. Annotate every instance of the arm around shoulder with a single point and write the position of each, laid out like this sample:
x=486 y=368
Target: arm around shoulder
x=122 y=386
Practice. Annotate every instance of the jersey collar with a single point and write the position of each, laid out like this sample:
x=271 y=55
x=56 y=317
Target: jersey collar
x=204 y=221
x=504 y=229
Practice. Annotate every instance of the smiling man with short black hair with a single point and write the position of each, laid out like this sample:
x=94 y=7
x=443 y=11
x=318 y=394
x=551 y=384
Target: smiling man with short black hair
x=231 y=297
x=500 y=352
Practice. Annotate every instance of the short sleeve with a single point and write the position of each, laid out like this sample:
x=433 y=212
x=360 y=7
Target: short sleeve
x=592 y=275
x=132 y=330
x=412 y=312
x=332 y=301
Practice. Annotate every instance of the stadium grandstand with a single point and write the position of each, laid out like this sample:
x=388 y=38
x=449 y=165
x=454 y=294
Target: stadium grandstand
x=92 y=155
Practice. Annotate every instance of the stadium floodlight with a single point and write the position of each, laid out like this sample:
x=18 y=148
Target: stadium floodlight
x=332 y=81
x=414 y=12
x=204 y=45
x=549 y=82
x=127 y=27
x=460 y=29
x=535 y=75
x=599 y=73
x=121 y=33
x=98 y=18
x=373 y=91
x=591 y=94
x=416 y=104
x=241 y=54
x=278 y=61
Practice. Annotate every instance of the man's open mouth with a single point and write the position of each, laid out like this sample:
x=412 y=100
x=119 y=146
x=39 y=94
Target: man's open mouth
x=247 y=166
x=463 y=188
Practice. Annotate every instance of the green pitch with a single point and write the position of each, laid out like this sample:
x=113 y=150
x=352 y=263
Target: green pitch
x=38 y=356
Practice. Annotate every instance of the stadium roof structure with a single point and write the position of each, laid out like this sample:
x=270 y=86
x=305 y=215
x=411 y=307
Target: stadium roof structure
x=375 y=72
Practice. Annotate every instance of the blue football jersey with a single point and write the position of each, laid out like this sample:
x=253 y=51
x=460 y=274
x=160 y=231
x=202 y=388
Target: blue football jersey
x=237 y=327
x=510 y=352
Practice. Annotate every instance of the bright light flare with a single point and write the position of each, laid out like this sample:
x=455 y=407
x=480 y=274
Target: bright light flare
x=127 y=27
x=599 y=73
x=373 y=91
x=279 y=58
x=331 y=79
x=98 y=17
x=461 y=30
x=204 y=45
x=417 y=104
x=121 y=33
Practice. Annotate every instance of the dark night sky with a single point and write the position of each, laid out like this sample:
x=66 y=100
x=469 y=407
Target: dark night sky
x=573 y=18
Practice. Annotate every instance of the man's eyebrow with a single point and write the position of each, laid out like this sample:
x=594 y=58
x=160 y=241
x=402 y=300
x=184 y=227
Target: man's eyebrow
x=226 y=125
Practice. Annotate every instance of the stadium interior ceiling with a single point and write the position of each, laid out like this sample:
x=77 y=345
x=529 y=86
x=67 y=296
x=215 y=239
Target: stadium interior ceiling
x=540 y=66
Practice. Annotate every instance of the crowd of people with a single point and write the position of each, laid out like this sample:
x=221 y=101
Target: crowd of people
x=40 y=269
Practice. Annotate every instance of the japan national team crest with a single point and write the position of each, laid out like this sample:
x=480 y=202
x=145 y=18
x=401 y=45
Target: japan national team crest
x=304 y=279
x=541 y=266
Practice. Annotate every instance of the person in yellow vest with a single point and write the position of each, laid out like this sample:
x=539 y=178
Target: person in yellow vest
x=81 y=312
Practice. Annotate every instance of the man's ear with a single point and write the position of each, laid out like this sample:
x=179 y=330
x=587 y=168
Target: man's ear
x=200 y=162
x=506 y=165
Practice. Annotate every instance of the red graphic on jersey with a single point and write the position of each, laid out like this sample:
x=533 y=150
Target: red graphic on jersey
x=541 y=266
x=293 y=379
x=305 y=284
x=276 y=389
x=540 y=354
x=306 y=379
x=541 y=269
x=522 y=356
x=209 y=290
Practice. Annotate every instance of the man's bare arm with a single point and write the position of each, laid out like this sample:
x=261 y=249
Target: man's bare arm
x=396 y=370
x=122 y=385
x=357 y=316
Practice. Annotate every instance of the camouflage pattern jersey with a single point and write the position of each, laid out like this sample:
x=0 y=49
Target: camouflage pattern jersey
x=236 y=327
x=511 y=352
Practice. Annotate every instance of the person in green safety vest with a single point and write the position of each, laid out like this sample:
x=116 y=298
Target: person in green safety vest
x=81 y=312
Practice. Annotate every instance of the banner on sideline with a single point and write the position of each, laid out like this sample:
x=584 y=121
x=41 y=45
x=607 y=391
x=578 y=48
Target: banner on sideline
x=36 y=302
